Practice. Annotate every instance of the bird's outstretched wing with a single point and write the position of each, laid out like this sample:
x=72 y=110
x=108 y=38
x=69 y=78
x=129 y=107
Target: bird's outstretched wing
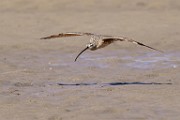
x=110 y=39
x=68 y=34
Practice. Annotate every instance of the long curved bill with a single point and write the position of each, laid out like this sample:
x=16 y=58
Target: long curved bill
x=80 y=53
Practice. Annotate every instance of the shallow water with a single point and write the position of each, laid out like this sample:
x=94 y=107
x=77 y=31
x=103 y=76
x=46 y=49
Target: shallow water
x=143 y=61
x=151 y=60
x=39 y=80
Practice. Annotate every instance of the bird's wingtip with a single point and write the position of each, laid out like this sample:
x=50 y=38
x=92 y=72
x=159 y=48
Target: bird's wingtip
x=43 y=38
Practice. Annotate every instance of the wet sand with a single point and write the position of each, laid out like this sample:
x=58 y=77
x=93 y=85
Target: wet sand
x=39 y=79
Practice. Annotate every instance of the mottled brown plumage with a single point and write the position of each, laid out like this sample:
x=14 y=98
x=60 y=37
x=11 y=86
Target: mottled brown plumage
x=97 y=41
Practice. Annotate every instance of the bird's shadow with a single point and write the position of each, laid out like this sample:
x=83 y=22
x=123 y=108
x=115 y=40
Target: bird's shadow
x=113 y=84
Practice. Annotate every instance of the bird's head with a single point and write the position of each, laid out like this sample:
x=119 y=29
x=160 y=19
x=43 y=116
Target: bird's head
x=90 y=46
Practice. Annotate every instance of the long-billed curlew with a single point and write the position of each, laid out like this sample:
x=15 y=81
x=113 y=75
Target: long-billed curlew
x=97 y=41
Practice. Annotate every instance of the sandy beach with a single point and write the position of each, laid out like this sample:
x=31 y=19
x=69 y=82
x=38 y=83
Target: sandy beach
x=39 y=79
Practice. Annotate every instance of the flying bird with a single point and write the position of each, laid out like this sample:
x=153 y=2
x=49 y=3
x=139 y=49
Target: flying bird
x=97 y=41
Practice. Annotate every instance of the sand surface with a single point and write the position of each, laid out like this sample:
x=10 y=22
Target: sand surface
x=39 y=79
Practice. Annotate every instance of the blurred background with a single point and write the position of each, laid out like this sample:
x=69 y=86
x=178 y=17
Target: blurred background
x=131 y=82
x=152 y=20
x=87 y=6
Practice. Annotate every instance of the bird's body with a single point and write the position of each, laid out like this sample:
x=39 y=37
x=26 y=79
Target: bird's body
x=97 y=41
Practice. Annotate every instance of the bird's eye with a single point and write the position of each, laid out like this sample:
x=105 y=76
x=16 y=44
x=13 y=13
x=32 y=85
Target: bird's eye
x=90 y=45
